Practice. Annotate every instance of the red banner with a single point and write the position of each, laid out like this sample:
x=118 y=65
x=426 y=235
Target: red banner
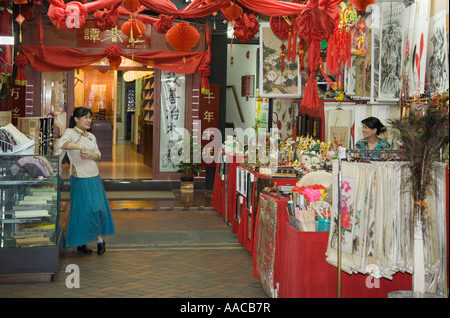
x=209 y=118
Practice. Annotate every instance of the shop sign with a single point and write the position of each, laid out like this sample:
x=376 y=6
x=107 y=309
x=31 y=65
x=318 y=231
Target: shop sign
x=90 y=36
x=17 y=106
x=209 y=118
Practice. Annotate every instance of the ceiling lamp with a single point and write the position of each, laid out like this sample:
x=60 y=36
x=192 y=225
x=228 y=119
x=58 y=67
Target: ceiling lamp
x=130 y=76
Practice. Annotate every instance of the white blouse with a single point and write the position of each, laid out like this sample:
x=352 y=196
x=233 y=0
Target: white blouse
x=80 y=168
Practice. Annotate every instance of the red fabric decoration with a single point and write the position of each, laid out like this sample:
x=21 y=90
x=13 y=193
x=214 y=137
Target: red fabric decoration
x=113 y=53
x=246 y=27
x=182 y=37
x=204 y=69
x=106 y=19
x=362 y=5
x=131 y=5
x=313 y=25
x=133 y=28
x=21 y=61
x=163 y=24
x=68 y=17
x=62 y=59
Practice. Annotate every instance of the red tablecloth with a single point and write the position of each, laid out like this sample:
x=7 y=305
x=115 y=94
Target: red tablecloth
x=300 y=268
x=302 y=271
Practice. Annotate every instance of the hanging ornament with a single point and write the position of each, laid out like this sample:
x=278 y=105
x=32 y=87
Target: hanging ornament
x=114 y=55
x=182 y=37
x=20 y=19
x=131 y=5
x=233 y=11
x=106 y=19
x=282 y=27
x=246 y=27
x=133 y=28
x=21 y=61
x=313 y=25
x=350 y=16
x=282 y=56
x=164 y=23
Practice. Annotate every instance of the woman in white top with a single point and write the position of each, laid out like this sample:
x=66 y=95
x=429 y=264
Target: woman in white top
x=90 y=214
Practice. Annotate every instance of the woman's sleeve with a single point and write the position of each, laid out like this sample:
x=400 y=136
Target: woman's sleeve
x=63 y=141
x=97 y=153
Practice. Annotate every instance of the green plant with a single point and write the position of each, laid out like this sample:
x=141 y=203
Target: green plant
x=188 y=167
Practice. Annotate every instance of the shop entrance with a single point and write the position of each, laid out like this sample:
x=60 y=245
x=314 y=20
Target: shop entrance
x=116 y=99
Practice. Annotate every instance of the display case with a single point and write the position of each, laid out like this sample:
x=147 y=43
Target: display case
x=29 y=219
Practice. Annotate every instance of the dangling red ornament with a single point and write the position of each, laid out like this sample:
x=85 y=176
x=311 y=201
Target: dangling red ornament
x=133 y=26
x=21 y=61
x=164 y=23
x=113 y=53
x=182 y=37
x=282 y=55
x=313 y=25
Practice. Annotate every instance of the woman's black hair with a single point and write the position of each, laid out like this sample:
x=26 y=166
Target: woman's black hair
x=372 y=123
x=78 y=113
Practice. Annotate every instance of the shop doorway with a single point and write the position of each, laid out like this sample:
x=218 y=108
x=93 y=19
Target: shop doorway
x=115 y=100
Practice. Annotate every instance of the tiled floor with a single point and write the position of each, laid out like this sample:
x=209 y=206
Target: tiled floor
x=169 y=253
x=178 y=248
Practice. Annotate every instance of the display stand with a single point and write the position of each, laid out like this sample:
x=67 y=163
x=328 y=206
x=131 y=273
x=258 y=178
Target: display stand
x=29 y=219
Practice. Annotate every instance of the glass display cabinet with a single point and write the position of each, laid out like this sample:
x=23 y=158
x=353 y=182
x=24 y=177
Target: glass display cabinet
x=29 y=219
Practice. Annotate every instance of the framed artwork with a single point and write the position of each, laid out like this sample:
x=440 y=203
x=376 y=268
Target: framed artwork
x=272 y=81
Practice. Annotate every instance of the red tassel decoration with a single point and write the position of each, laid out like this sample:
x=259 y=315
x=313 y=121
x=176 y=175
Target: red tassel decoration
x=282 y=56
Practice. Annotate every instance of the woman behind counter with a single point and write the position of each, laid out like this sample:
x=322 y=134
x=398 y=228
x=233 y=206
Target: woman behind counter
x=371 y=128
x=90 y=214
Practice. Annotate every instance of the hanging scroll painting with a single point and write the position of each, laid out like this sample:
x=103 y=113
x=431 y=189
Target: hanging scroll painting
x=437 y=73
x=391 y=51
x=273 y=82
x=339 y=123
x=363 y=66
x=417 y=48
x=172 y=117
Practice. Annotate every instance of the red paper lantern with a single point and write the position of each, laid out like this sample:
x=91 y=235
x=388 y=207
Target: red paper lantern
x=234 y=11
x=131 y=5
x=182 y=37
x=133 y=26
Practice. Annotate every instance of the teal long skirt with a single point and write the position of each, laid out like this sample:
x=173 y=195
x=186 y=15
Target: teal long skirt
x=90 y=214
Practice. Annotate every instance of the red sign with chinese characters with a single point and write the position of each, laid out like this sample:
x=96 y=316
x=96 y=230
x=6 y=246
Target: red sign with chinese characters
x=209 y=118
x=89 y=35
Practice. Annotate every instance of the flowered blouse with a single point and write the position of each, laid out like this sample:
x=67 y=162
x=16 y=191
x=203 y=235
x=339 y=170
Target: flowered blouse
x=381 y=145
